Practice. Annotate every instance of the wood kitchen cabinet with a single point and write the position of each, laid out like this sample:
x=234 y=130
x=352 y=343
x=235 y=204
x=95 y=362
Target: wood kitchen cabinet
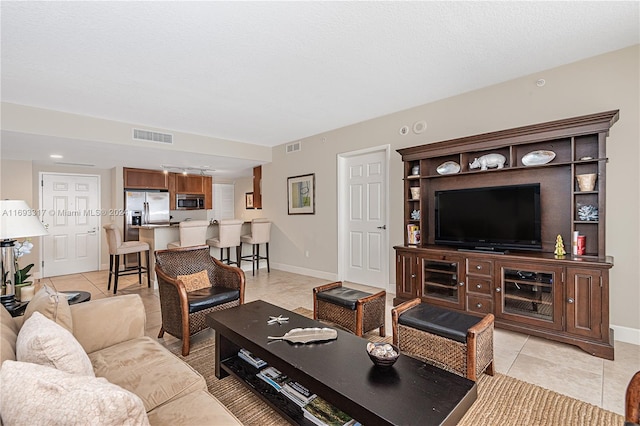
x=257 y=187
x=145 y=179
x=190 y=184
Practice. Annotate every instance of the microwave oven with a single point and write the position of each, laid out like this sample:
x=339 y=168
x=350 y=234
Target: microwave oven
x=189 y=201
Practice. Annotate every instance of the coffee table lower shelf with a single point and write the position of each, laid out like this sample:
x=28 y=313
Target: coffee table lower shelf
x=244 y=372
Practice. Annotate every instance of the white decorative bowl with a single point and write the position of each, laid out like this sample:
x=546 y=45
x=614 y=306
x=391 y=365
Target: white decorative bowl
x=535 y=158
x=448 y=168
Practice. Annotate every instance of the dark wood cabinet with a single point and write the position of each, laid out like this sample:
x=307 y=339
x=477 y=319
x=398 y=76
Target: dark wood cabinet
x=530 y=293
x=406 y=276
x=145 y=179
x=560 y=298
x=587 y=302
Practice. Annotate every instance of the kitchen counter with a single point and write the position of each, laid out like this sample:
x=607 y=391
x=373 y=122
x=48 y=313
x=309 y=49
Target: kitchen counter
x=158 y=236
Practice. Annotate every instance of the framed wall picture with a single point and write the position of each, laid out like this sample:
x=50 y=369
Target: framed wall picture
x=301 y=194
x=248 y=200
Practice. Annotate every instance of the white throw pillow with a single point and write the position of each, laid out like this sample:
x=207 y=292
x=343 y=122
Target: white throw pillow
x=37 y=395
x=42 y=341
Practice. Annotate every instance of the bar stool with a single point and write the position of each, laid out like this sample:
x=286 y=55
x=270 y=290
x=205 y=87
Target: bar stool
x=192 y=233
x=260 y=233
x=116 y=248
x=228 y=236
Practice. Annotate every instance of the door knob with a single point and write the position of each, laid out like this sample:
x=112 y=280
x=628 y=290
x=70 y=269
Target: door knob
x=382 y=227
x=570 y=300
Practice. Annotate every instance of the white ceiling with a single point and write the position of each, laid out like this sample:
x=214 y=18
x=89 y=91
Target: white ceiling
x=268 y=73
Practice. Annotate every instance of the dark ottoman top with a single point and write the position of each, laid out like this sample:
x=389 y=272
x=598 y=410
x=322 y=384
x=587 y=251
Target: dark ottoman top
x=440 y=321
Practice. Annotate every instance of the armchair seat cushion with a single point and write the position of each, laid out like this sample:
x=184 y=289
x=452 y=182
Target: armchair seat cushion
x=343 y=296
x=439 y=321
x=209 y=297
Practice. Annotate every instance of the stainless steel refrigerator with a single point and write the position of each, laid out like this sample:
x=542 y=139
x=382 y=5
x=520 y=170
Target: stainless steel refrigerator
x=143 y=208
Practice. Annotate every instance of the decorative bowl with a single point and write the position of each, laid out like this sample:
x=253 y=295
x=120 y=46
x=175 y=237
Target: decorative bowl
x=535 y=158
x=383 y=355
x=448 y=168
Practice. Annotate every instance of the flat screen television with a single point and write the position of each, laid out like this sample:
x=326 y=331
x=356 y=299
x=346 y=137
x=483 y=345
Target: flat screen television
x=493 y=218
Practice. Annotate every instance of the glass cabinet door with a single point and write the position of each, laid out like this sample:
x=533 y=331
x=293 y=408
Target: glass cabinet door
x=532 y=293
x=441 y=283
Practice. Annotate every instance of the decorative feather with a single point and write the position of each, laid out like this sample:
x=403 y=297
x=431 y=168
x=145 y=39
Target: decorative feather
x=307 y=335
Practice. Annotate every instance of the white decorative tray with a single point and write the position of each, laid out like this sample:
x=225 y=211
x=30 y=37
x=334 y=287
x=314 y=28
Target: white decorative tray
x=448 y=168
x=535 y=158
x=307 y=335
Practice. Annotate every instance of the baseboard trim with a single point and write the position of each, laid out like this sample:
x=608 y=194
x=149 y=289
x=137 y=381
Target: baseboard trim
x=626 y=334
x=305 y=271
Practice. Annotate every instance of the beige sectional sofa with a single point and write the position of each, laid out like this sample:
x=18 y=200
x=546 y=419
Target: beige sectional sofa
x=136 y=380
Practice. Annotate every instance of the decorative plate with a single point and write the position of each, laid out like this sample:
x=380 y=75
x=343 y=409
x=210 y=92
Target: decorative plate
x=536 y=158
x=448 y=168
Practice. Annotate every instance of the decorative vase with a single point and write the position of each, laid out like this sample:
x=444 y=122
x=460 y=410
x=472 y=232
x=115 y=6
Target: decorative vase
x=415 y=193
x=24 y=293
x=586 y=182
x=415 y=170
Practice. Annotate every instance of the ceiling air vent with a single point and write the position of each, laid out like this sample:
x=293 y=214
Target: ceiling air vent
x=147 y=135
x=293 y=147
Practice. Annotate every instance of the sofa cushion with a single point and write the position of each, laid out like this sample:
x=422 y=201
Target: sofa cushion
x=56 y=397
x=8 y=336
x=195 y=281
x=146 y=368
x=52 y=305
x=197 y=408
x=42 y=341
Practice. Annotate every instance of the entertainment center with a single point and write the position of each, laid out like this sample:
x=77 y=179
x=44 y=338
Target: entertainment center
x=511 y=270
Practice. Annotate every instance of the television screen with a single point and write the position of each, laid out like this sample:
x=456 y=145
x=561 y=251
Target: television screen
x=503 y=217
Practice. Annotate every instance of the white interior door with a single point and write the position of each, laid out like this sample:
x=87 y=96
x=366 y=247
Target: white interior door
x=72 y=213
x=364 y=216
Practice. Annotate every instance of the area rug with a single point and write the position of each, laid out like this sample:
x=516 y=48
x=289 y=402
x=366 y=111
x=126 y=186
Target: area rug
x=502 y=400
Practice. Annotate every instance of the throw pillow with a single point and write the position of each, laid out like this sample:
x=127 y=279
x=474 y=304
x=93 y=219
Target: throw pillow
x=52 y=305
x=195 y=281
x=42 y=341
x=35 y=394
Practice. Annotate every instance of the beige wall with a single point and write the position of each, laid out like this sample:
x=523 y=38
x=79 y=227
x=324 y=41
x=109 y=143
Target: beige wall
x=20 y=180
x=597 y=84
x=594 y=85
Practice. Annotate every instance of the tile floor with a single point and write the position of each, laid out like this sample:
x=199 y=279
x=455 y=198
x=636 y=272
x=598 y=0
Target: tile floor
x=562 y=368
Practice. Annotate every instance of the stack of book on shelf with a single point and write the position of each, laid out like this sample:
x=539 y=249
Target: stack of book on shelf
x=413 y=234
x=251 y=359
x=321 y=413
x=274 y=377
x=297 y=393
x=315 y=409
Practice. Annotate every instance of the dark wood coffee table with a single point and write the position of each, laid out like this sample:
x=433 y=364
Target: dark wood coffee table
x=340 y=371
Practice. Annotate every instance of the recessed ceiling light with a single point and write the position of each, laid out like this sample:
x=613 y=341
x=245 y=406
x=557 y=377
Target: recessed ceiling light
x=55 y=156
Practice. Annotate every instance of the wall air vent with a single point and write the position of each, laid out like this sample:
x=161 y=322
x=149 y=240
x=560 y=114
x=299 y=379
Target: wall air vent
x=147 y=135
x=294 y=147
x=60 y=163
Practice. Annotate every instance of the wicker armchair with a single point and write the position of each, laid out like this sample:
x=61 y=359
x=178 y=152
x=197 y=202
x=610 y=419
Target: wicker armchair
x=183 y=313
x=632 y=401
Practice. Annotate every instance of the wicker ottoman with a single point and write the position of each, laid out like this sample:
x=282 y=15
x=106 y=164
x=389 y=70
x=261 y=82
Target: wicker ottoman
x=355 y=310
x=451 y=340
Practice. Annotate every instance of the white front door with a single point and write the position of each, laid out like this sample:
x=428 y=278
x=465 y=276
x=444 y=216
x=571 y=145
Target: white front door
x=71 y=205
x=363 y=209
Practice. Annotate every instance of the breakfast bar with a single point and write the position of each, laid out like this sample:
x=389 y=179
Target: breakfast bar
x=158 y=236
